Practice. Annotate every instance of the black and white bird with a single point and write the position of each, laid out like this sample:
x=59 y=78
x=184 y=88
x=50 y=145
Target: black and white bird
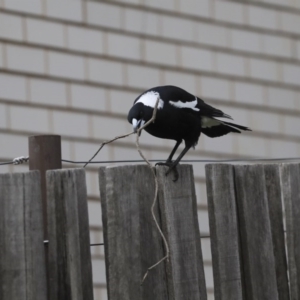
x=180 y=116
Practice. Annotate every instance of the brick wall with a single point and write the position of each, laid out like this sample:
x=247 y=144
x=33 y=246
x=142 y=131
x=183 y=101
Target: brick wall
x=74 y=68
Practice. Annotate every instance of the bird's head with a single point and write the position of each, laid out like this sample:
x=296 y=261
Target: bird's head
x=138 y=115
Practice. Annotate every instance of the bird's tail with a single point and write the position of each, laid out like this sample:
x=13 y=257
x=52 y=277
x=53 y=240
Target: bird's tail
x=223 y=128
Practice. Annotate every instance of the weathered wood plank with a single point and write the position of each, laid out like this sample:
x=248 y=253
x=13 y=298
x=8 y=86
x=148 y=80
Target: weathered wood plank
x=178 y=206
x=22 y=256
x=132 y=242
x=70 y=271
x=290 y=180
x=255 y=232
x=273 y=189
x=224 y=232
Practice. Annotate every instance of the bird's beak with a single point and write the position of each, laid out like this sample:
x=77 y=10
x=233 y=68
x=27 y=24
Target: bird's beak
x=136 y=124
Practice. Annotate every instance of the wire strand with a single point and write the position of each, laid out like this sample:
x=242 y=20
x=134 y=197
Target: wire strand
x=186 y=160
x=183 y=160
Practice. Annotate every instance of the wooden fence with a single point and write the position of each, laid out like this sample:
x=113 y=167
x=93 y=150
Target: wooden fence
x=248 y=205
x=23 y=272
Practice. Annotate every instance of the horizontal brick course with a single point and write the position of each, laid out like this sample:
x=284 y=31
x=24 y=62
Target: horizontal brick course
x=45 y=33
x=29 y=119
x=261 y=69
x=262 y=17
x=123 y=46
x=11 y=27
x=3 y=117
x=195 y=7
x=14 y=146
x=13 y=87
x=215 y=88
x=66 y=10
x=121 y=101
x=162 y=53
x=32 y=6
x=184 y=30
x=230 y=12
x=197 y=59
x=103 y=71
x=103 y=14
x=141 y=21
x=246 y=41
x=104 y=132
x=249 y=93
x=83 y=39
x=281 y=98
x=25 y=59
x=88 y=97
x=66 y=65
x=48 y=92
x=70 y=124
x=291 y=74
x=142 y=77
x=231 y=64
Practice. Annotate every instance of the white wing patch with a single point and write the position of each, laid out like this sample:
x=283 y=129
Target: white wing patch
x=190 y=104
x=208 y=122
x=150 y=98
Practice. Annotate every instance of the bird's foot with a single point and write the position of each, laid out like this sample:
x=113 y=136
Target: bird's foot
x=172 y=167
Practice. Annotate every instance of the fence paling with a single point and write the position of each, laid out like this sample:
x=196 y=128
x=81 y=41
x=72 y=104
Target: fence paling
x=70 y=271
x=273 y=189
x=178 y=206
x=290 y=179
x=132 y=242
x=256 y=191
x=223 y=223
x=22 y=256
x=255 y=231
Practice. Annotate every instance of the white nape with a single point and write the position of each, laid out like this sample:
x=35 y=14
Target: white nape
x=190 y=104
x=150 y=98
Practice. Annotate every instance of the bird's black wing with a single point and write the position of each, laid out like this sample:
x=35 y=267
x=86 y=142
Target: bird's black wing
x=209 y=111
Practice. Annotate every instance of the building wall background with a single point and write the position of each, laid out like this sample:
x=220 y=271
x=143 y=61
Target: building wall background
x=74 y=68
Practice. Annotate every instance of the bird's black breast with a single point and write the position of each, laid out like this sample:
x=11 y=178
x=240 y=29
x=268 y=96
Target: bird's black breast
x=176 y=124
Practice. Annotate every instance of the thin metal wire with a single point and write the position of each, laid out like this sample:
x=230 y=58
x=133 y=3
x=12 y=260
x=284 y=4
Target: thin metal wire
x=186 y=160
x=183 y=160
x=6 y=163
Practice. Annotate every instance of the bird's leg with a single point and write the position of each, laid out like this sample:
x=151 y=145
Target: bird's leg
x=172 y=165
x=173 y=151
x=169 y=160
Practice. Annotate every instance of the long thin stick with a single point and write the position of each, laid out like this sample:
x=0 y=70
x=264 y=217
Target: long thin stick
x=107 y=142
x=152 y=120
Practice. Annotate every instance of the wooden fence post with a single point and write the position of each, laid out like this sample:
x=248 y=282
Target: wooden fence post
x=44 y=154
x=290 y=178
x=22 y=256
x=224 y=232
x=70 y=271
x=259 y=263
x=132 y=241
x=178 y=206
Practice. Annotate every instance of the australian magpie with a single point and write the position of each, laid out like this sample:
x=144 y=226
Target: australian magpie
x=180 y=116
